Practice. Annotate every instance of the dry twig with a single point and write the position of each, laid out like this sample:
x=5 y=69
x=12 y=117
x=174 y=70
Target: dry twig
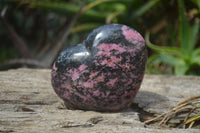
x=187 y=106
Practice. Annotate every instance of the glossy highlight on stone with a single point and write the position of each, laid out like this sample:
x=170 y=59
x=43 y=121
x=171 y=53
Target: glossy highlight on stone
x=103 y=73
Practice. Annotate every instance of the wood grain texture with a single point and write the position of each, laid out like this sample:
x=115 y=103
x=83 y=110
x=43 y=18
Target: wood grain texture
x=28 y=104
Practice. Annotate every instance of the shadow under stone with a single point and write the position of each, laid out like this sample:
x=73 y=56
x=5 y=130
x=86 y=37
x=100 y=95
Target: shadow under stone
x=152 y=102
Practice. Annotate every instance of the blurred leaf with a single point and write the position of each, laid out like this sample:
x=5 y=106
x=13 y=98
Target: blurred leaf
x=163 y=58
x=168 y=59
x=65 y=8
x=196 y=52
x=118 y=9
x=144 y=8
x=111 y=16
x=197 y=3
x=184 y=57
x=172 y=31
x=181 y=67
x=184 y=30
x=196 y=60
x=163 y=49
x=157 y=59
x=154 y=59
x=194 y=32
x=84 y=27
x=152 y=62
x=95 y=3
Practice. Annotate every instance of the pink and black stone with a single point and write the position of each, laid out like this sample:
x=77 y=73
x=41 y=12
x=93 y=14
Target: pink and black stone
x=103 y=73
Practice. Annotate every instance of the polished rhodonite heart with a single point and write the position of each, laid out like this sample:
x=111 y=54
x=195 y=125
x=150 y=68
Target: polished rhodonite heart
x=103 y=73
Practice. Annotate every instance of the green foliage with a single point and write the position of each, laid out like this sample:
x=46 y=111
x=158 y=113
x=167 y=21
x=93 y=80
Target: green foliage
x=99 y=11
x=39 y=22
x=197 y=3
x=143 y=9
x=7 y=53
x=187 y=56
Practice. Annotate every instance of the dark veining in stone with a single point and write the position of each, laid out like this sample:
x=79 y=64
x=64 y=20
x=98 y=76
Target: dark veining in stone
x=103 y=73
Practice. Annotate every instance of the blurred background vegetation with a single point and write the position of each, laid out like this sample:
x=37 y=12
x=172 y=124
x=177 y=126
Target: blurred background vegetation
x=33 y=32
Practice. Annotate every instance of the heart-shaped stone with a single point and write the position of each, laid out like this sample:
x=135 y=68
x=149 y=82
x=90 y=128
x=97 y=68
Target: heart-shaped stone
x=103 y=73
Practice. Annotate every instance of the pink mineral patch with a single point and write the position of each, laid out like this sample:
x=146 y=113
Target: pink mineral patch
x=108 y=62
x=96 y=93
x=53 y=73
x=82 y=67
x=132 y=52
x=106 y=54
x=109 y=47
x=65 y=95
x=93 y=74
x=81 y=96
x=74 y=74
x=100 y=78
x=131 y=35
x=88 y=84
x=54 y=67
x=66 y=85
x=111 y=82
x=111 y=62
x=115 y=59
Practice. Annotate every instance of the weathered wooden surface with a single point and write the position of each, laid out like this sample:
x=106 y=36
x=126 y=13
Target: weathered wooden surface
x=29 y=104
